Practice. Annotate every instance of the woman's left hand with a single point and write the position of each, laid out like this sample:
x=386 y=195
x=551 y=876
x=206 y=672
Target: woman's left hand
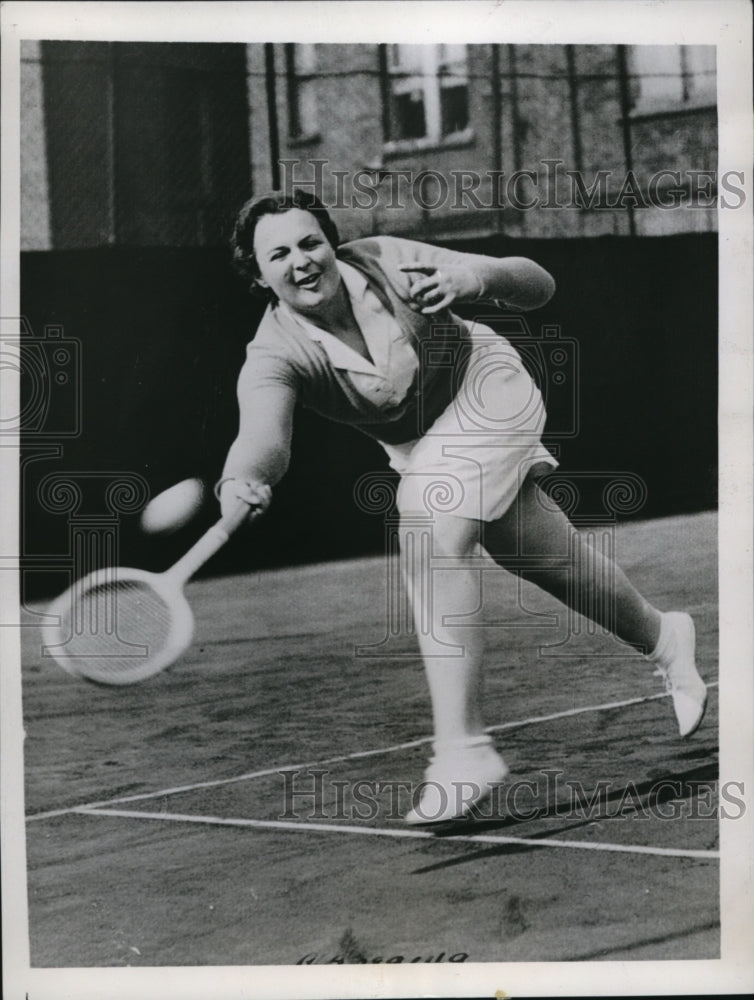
x=440 y=287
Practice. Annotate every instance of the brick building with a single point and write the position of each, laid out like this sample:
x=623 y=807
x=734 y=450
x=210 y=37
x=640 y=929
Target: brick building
x=137 y=156
x=154 y=144
x=478 y=139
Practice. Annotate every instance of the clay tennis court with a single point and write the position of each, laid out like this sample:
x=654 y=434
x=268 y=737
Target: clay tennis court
x=165 y=826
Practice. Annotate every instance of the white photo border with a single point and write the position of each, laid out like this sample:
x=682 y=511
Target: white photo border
x=725 y=23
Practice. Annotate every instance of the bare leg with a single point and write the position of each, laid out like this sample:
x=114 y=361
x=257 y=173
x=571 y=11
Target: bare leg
x=464 y=766
x=586 y=580
x=535 y=540
x=565 y=566
x=452 y=653
x=534 y=530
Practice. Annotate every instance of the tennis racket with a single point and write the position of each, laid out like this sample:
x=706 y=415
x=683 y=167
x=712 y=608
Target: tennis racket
x=120 y=625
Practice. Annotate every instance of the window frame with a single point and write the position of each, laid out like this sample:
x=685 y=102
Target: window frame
x=431 y=77
x=299 y=132
x=692 y=95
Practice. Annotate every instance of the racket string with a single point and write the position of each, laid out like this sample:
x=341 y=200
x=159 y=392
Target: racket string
x=114 y=629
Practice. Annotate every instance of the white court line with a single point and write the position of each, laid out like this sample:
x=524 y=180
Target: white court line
x=404 y=834
x=266 y=772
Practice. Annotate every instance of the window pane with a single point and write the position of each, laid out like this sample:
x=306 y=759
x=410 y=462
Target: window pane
x=454 y=109
x=701 y=67
x=410 y=120
x=307 y=107
x=452 y=59
x=659 y=70
x=305 y=58
x=407 y=58
x=302 y=99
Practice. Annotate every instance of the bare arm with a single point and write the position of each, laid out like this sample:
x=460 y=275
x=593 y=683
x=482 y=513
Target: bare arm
x=260 y=454
x=262 y=449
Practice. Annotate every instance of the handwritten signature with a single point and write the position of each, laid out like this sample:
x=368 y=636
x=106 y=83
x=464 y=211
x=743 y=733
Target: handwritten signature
x=313 y=958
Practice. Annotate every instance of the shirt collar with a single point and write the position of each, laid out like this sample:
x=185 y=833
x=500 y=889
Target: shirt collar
x=340 y=355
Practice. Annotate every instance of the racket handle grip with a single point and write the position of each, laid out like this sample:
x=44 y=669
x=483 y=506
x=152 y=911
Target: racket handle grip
x=235 y=518
x=210 y=542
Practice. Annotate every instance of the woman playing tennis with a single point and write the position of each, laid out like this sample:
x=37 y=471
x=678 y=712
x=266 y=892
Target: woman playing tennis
x=363 y=334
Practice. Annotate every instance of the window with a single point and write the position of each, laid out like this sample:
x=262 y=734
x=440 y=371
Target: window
x=426 y=91
x=667 y=76
x=454 y=88
x=300 y=67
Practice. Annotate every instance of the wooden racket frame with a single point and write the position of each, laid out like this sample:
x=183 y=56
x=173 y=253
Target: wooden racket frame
x=168 y=585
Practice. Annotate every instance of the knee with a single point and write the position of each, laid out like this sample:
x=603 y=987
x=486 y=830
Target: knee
x=443 y=537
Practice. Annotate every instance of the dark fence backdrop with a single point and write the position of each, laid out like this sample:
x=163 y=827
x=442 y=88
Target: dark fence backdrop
x=161 y=336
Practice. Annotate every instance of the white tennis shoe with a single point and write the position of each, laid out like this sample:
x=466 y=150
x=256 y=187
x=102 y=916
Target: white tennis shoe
x=459 y=777
x=675 y=660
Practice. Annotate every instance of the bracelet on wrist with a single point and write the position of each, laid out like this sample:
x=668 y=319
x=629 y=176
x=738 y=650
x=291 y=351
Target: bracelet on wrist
x=230 y=479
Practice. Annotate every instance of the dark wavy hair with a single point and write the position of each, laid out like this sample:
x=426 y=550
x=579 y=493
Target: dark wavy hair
x=272 y=203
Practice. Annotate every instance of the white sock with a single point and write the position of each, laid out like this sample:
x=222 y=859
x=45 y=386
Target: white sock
x=448 y=748
x=667 y=643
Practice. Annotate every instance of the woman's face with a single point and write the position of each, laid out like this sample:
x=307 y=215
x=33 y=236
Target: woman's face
x=295 y=260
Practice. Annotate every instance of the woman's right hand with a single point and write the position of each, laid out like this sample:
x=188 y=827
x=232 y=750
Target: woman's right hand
x=257 y=495
x=438 y=289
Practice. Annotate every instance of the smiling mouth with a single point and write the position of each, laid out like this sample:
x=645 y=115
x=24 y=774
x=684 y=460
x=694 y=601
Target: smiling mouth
x=309 y=281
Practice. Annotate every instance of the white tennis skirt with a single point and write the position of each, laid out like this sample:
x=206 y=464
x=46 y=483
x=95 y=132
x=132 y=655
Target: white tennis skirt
x=474 y=458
